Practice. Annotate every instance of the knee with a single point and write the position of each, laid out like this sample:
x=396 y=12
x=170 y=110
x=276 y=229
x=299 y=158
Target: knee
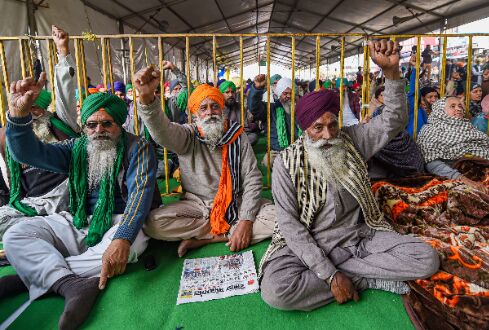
x=13 y=235
x=430 y=263
x=275 y=294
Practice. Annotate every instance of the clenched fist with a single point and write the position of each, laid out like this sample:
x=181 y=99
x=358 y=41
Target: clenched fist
x=146 y=81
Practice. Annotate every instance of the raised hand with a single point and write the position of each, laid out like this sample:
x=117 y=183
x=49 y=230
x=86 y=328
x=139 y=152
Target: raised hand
x=61 y=39
x=385 y=53
x=146 y=81
x=165 y=65
x=23 y=93
x=260 y=81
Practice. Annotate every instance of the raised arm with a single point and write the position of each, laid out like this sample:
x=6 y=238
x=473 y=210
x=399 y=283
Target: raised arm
x=176 y=137
x=258 y=108
x=371 y=137
x=65 y=79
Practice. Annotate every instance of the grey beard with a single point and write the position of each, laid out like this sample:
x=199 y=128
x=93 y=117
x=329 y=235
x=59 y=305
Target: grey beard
x=213 y=129
x=102 y=155
x=286 y=106
x=330 y=162
x=40 y=127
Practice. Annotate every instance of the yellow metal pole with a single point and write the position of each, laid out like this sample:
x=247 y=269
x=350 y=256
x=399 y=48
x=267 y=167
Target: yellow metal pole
x=269 y=146
x=3 y=63
x=443 y=67
x=292 y=98
x=342 y=69
x=365 y=101
x=368 y=74
x=22 y=59
x=135 y=102
x=109 y=62
x=214 y=55
x=3 y=120
x=84 y=65
x=55 y=54
x=318 y=60
x=416 y=88
x=187 y=57
x=29 y=58
x=241 y=90
x=104 y=61
x=79 y=71
x=469 y=77
x=52 y=63
x=162 y=101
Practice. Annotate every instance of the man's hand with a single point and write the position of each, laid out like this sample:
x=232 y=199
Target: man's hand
x=241 y=237
x=479 y=186
x=61 y=39
x=23 y=93
x=385 y=53
x=260 y=81
x=343 y=289
x=165 y=65
x=114 y=260
x=146 y=81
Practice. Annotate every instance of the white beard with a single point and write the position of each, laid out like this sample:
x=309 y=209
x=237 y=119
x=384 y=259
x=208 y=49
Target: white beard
x=330 y=162
x=40 y=127
x=213 y=129
x=102 y=155
x=287 y=107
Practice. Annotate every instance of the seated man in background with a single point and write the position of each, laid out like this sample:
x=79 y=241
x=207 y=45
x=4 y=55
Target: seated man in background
x=35 y=191
x=449 y=136
x=219 y=174
x=331 y=239
x=232 y=110
x=111 y=184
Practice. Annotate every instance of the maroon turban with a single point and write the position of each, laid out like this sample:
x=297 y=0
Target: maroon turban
x=313 y=105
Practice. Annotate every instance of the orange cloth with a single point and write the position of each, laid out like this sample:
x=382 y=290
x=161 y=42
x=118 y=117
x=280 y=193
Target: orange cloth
x=201 y=93
x=224 y=195
x=92 y=90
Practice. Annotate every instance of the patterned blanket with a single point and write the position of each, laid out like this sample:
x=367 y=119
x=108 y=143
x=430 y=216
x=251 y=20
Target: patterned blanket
x=454 y=219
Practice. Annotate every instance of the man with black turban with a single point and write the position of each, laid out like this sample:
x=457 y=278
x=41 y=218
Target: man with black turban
x=111 y=184
x=330 y=238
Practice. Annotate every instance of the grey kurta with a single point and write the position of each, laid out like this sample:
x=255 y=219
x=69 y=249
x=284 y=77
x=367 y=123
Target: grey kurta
x=294 y=277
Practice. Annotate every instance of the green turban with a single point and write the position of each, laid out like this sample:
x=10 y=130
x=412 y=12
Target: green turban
x=274 y=78
x=225 y=85
x=128 y=87
x=327 y=84
x=112 y=104
x=43 y=100
x=182 y=100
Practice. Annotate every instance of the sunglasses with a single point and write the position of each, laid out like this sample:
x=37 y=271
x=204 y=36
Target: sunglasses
x=104 y=123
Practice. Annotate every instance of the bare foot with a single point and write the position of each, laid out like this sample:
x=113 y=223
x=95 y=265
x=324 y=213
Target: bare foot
x=185 y=245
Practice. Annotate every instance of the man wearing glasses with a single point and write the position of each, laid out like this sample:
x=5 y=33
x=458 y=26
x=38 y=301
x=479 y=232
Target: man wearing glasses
x=111 y=183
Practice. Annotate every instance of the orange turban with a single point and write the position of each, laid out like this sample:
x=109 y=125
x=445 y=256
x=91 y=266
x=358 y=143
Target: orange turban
x=201 y=93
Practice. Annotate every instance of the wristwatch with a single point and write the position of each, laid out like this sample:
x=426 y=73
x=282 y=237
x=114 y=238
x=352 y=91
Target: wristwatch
x=330 y=279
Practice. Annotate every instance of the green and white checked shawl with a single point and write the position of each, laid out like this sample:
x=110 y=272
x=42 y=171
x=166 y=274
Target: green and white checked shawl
x=311 y=190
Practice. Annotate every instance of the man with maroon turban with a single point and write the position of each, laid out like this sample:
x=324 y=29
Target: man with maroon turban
x=219 y=173
x=331 y=240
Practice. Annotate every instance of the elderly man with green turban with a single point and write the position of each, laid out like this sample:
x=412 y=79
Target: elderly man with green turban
x=232 y=110
x=111 y=191
x=33 y=191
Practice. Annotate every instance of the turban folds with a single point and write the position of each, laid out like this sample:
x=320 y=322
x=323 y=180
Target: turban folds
x=43 y=100
x=274 y=78
x=338 y=82
x=119 y=87
x=174 y=84
x=315 y=104
x=282 y=85
x=112 y=104
x=128 y=87
x=225 y=85
x=201 y=93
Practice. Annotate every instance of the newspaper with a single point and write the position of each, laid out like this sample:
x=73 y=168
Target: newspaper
x=217 y=277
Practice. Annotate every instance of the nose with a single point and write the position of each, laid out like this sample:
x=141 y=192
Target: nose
x=327 y=134
x=99 y=128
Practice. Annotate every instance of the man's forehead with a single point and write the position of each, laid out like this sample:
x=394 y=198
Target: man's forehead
x=207 y=101
x=327 y=118
x=101 y=114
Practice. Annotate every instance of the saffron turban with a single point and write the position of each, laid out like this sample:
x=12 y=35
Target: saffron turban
x=112 y=104
x=119 y=87
x=43 y=100
x=315 y=104
x=225 y=85
x=282 y=85
x=201 y=93
x=92 y=90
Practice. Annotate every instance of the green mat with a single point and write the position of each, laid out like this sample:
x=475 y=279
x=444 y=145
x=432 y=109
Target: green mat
x=147 y=300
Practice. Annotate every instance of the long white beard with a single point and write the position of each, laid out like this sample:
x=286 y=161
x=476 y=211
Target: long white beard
x=40 y=127
x=287 y=107
x=102 y=155
x=213 y=129
x=329 y=161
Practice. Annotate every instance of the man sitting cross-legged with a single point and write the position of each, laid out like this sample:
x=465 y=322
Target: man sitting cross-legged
x=219 y=173
x=331 y=239
x=111 y=184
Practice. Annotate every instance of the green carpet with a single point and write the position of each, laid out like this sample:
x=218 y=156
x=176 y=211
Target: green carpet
x=147 y=300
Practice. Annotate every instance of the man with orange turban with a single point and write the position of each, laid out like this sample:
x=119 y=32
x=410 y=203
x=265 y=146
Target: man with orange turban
x=219 y=173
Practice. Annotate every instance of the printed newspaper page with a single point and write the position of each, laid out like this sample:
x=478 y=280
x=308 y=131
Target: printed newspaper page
x=217 y=277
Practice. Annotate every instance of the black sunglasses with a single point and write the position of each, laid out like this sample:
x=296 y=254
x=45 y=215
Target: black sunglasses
x=104 y=123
